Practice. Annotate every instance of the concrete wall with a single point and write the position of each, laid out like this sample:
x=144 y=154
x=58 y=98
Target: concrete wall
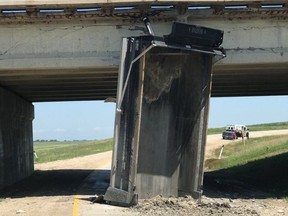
x=16 y=140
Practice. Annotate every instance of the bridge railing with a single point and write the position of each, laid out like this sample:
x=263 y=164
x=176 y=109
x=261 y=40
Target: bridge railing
x=56 y=3
x=134 y=9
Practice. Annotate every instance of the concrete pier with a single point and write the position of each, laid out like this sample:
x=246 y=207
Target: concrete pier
x=16 y=140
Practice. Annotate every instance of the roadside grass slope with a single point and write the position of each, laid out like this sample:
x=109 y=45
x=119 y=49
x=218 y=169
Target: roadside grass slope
x=51 y=151
x=261 y=162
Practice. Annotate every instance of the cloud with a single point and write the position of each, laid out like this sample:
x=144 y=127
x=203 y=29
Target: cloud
x=60 y=130
x=39 y=131
x=103 y=128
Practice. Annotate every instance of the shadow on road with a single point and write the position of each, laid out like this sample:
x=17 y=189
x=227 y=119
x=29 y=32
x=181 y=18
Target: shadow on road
x=265 y=178
x=52 y=183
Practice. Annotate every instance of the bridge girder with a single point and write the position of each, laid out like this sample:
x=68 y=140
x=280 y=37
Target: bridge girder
x=55 y=57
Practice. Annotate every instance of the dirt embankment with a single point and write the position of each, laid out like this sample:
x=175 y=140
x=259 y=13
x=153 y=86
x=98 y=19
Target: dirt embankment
x=236 y=199
x=186 y=206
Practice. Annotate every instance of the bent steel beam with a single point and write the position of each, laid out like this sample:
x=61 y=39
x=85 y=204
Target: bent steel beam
x=161 y=117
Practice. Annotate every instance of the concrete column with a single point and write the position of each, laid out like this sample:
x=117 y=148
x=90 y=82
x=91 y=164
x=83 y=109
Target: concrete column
x=16 y=140
x=174 y=122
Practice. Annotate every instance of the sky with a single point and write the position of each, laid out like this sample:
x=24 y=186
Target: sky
x=92 y=120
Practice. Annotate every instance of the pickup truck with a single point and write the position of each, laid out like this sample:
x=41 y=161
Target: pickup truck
x=229 y=135
x=235 y=131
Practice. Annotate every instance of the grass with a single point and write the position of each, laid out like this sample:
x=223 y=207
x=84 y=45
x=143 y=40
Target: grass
x=51 y=151
x=216 y=130
x=262 y=163
x=254 y=149
x=269 y=126
x=256 y=127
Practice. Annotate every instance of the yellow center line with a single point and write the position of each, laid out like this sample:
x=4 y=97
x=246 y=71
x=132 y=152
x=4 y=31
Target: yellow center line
x=76 y=197
x=75 y=205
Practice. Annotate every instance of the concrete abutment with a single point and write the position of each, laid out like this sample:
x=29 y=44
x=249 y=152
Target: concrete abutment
x=16 y=139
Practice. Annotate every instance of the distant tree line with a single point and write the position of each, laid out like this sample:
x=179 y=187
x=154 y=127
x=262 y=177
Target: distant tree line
x=55 y=140
x=43 y=140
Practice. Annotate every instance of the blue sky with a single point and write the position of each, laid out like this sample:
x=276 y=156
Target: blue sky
x=95 y=119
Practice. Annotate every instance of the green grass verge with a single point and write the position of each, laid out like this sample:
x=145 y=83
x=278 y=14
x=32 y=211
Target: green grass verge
x=262 y=162
x=216 y=130
x=51 y=151
x=254 y=149
x=256 y=127
x=269 y=126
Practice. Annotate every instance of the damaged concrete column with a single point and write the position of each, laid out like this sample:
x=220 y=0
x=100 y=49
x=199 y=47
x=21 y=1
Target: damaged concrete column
x=16 y=140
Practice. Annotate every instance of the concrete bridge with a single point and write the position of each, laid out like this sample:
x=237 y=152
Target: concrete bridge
x=70 y=50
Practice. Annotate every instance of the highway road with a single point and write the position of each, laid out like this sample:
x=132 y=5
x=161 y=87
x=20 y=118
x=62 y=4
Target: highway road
x=55 y=189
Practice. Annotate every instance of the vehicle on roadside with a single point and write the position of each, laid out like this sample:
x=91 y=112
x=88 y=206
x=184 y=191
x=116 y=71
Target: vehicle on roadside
x=239 y=130
x=229 y=135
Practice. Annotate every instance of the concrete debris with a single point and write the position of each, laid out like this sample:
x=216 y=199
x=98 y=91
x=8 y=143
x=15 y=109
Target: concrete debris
x=98 y=199
x=20 y=211
x=183 y=206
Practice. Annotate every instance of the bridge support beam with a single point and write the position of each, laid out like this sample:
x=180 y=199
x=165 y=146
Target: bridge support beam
x=161 y=121
x=16 y=142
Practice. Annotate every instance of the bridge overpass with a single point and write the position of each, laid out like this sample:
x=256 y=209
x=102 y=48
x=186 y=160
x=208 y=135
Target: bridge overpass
x=57 y=51
x=70 y=51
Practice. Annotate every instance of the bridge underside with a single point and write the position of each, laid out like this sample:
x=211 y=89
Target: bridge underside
x=250 y=80
x=75 y=84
